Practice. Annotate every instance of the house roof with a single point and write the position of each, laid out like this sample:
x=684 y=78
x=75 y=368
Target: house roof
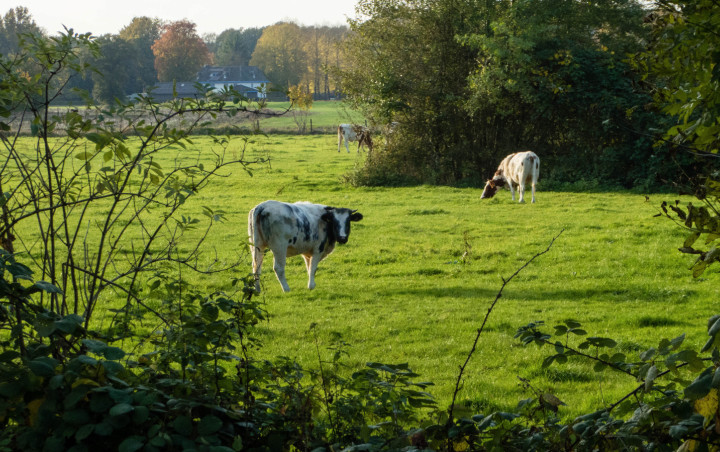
x=231 y=74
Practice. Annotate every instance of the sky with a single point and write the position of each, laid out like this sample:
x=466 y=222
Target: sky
x=211 y=16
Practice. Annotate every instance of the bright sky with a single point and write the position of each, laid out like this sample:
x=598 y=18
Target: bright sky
x=211 y=16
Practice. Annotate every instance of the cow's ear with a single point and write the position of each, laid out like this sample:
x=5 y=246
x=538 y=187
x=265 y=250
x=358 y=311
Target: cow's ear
x=357 y=216
x=327 y=217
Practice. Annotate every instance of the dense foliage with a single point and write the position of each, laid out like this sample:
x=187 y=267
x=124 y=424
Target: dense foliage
x=470 y=82
x=682 y=59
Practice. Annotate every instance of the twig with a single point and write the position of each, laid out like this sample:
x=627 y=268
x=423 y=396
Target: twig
x=482 y=327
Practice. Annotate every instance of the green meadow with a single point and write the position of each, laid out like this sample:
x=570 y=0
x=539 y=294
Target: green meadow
x=422 y=268
x=424 y=265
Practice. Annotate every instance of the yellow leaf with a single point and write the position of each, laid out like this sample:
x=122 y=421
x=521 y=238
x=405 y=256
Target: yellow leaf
x=33 y=408
x=461 y=446
x=84 y=381
x=708 y=405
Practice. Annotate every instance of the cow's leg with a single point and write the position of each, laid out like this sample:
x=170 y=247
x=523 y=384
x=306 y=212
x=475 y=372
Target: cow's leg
x=312 y=265
x=347 y=146
x=257 y=260
x=279 y=257
x=512 y=190
x=521 y=191
x=533 y=192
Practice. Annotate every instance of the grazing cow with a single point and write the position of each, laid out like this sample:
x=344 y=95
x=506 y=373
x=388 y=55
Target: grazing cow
x=518 y=169
x=354 y=132
x=291 y=229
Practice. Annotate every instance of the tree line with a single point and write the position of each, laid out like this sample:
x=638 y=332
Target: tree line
x=150 y=50
x=474 y=80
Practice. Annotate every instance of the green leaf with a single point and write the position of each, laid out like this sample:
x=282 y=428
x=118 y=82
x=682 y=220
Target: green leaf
x=715 y=327
x=120 y=409
x=47 y=287
x=43 y=366
x=650 y=377
x=209 y=425
x=648 y=354
x=678 y=431
x=131 y=444
x=84 y=431
x=76 y=416
x=700 y=387
x=140 y=414
x=183 y=424
x=113 y=353
x=692 y=238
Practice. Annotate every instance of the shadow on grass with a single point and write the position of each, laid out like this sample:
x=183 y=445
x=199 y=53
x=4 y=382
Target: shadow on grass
x=623 y=295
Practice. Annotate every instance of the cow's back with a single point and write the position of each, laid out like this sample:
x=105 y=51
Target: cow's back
x=297 y=227
x=522 y=166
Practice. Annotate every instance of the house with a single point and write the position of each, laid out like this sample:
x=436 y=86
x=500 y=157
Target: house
x=247 y=80
x=249 y=77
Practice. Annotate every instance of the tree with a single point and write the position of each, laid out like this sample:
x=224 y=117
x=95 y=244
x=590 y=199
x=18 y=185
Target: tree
x=302 y=101
x=15 y=22
x=180 y=52
x=471 y=82
x=115 y=69
x=142 y=32
x=682 y=63
x=405 y=64
x=280 y=54
x=234 y=47
x=321 y=47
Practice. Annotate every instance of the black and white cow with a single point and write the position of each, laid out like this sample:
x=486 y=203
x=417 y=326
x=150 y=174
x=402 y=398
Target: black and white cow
x=354 y=132
x=300 y=228
x=516 y=169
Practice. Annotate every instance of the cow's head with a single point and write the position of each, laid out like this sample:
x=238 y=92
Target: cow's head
x=338 y=220
x=492 y=186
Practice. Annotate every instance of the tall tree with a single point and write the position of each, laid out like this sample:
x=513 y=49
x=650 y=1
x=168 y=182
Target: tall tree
x=115 y=69
x=141 y=33
x=15 y=22
x=180 y=52
x=321 y=45
x=280 y=54
x=234 y=47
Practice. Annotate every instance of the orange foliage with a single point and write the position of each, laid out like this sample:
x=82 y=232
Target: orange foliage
x=179 y=52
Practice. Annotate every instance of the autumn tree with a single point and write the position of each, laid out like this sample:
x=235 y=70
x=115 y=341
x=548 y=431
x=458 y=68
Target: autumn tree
x=322 y=47
x=180 y=52
x=280 y=54
x=141 y=33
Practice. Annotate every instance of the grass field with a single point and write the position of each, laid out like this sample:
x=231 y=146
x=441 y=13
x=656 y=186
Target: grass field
x=400 y=290
x=324 y=117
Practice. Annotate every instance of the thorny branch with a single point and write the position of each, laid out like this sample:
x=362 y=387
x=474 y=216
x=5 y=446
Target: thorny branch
x=458 y=383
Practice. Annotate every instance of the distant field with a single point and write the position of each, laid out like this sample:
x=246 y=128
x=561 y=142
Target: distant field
x=325 y=117
x=401 y=290
x=322 y=117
